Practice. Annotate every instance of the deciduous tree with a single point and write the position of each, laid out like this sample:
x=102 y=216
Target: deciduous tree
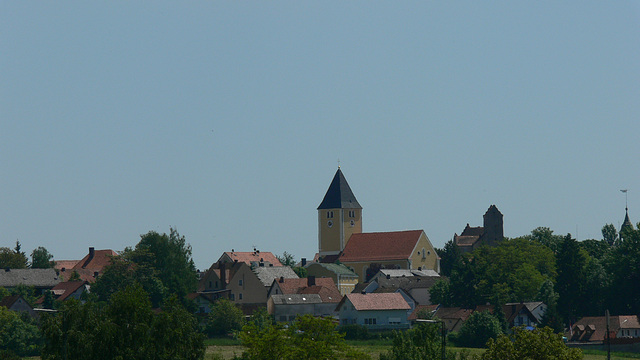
x=41 y=258
x=539 y=344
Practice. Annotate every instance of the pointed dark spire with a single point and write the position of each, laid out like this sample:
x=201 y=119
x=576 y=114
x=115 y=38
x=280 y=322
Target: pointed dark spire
x=627 y=223
x=339 y=195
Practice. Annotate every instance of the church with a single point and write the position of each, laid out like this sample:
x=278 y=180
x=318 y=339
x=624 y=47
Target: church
x=340 y=238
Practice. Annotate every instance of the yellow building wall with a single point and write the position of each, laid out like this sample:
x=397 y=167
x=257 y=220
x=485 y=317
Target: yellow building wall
x=427 y=259
x=334 y=238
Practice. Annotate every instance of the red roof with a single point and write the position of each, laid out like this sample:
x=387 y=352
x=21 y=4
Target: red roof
x=253 y=256
x=65 y=264
x=325 y=287
x=395 y=245
x=377 y=301
x=97 y=262
x=426 y=308
x=64 y=289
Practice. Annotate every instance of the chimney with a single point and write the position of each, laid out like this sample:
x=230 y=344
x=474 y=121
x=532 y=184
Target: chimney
x=7 y=269
x=95 y=274
x=223 y=275
x=261 y=264
x=92 y=253
x=303 y=262
x=63 y=269
x=311 y=280
x=281 y=279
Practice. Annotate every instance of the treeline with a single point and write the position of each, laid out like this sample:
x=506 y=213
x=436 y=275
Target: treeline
x=573 y=278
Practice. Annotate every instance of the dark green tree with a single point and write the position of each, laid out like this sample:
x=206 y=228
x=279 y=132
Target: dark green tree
x=610 y=234
x=423 y=342
x=41 y=258
x=549 y=297
x=539 y=344
x=478 y=329
x=571 y=278
x=623 y=267
x=597 y=249
x=19 y=335
x=440 y=293
x=287 y=259
x=13 y=259
x=170 y=257
x=225 y=318
x=450 y=258
x=544 y=235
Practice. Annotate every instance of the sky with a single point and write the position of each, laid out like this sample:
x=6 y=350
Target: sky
x=227 y=120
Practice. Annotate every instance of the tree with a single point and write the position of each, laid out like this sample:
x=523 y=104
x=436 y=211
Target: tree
x=595 y=248
x=539 y=344
x=450 y=258
x=440 y=293
x=300 y=271
x=478 y=329
x=623 y=267
x=41 y=258
x=306 y=338
x=126 y=328
x=224 y=318
x=571 y=278
x=420 y=343
x=545 y=236
x=549 y=296
x=170 y=256
x=19 y=335
x=13 y=259
x=610 y=234
x=287 y=259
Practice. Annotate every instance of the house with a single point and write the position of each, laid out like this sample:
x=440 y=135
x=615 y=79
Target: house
x=241 y=284
x=490 y=233
x=40 y=279
x=253 y=258
x=323 y=287
x=203 y=302
x=428 y=310
x=629 y=327
x=287 y=307
x=453 y=317
x=88 y=268
x=375 y=311
x=622 y=328
x=345 y=279
x=17 y=303
x=414 y=286
x=516 y=314
x=70 y=290
x=367 y=253
x=537 y=309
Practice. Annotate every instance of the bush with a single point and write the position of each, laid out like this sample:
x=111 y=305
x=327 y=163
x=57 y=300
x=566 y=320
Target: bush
x=225 y=317
x=354 y=332
x=477 y=330
x=540 y=344
x=423 y=342
x=19 y=335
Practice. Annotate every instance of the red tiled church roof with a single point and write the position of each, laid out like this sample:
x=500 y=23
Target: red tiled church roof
x=395 y=245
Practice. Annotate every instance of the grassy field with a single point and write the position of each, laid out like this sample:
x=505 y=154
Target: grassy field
x=375 y=348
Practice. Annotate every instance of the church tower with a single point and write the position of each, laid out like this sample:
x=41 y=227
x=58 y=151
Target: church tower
x=339 y=216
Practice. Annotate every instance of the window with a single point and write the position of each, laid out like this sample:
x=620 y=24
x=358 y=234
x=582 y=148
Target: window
x=370 y=321
x=240 y=296
x=394 y=321
x=240 y=282
x=424 y=254
x=353 y=223
x=352 y=213
x=232 y=297
x=211 y=284
x=329 y=214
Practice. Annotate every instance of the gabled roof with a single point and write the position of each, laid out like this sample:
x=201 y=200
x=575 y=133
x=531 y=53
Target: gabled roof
x=64 y=289
x=96 y=261
x=398 y=273
x=373 y=301
x=453 y=313
x=252 y=257
x=426 y=308
x=266 y=275
x=337 y=269
x=594 y=328
x=42 y=278
x=291 y=299
x=395 y=245
x=65 y=264
x=629 y=322
x=8 y=301
x=325 y=287
x=339 y=195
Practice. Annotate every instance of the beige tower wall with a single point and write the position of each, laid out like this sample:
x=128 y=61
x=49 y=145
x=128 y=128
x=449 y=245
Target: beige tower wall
x=332 y=239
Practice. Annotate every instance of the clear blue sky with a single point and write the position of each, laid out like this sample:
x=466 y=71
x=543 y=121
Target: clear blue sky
x=226 y=120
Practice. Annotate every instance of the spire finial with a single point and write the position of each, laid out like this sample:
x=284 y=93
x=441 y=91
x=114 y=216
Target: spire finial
x=338 y=163
x=626 y=202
